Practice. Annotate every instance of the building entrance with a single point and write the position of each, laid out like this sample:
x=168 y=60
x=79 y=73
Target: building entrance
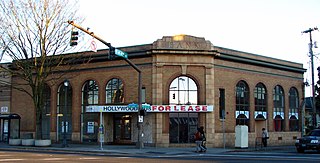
x=10 y=127
x=122 y=128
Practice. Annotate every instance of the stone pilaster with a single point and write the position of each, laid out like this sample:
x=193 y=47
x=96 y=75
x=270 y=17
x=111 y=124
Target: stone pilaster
x=210 y=117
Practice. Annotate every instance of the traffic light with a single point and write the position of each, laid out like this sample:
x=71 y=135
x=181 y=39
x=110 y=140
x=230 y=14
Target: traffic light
x=74 y=38
x=111 y=52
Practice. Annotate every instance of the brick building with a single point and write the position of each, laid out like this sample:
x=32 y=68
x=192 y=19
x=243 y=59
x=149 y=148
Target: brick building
x=187 y=81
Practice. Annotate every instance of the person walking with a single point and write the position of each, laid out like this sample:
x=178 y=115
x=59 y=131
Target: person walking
x=200 y=138
x=203 y=140
x=265 y=137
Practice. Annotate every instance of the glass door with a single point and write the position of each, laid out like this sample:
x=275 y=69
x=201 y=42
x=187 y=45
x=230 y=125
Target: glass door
x=122 y=128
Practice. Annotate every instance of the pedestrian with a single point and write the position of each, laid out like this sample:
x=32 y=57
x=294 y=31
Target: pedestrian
x=265 y=137
x=200 y=140
x=197 y=138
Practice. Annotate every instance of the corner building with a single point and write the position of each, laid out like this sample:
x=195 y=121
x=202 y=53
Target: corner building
x=187 y=81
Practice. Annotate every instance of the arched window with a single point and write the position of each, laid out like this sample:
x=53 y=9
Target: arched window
x=293 y=109
x=114 y=91
x=260 y=101
x=183 y=91
x=46 y=112
x=64 y=110
x=242 y=103
x=90 y=94
x=278 y=108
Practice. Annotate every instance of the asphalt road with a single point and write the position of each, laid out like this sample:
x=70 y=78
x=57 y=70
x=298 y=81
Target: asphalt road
x=229 y=157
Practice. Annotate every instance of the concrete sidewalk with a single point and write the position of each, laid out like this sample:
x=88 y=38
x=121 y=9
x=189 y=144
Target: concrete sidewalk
x=130 y=149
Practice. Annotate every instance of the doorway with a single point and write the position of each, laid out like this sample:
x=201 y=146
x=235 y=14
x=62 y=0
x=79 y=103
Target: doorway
x=259 y=125
x=10 y=127
x=122 y=129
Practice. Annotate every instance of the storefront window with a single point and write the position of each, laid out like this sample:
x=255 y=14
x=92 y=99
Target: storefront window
x=182 y=127
x=278 y=108
x=242 y=103
x=114 y=91
x=293 y=109
x=183 y=91
x=90 y=94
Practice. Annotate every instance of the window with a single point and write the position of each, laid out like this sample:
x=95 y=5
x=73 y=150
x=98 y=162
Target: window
x=90 y=94
x=64 y=108
x=143 y=95
x=242 y=103
x=278 y=108
x=182 y=127
x=46 y=112
x=293 y=109
x=222 y=105
x=114 y=91
x=183 y=91
x=260 y=97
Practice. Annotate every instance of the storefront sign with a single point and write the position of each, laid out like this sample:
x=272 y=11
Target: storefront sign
x=111 y=108
x=181 y=108
x=90 y=128
x=4 y=109
x=153 y=108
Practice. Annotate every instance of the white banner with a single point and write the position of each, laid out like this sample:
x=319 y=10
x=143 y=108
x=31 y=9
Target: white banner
x=153 y=108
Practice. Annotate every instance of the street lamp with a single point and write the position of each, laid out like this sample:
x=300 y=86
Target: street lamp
x=66 y=85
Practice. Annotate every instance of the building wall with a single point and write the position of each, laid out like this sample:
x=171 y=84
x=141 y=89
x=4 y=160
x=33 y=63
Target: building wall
x=5 y=90
x=163 y=61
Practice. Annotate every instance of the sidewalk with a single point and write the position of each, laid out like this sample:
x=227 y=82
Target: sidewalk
x=130 y=149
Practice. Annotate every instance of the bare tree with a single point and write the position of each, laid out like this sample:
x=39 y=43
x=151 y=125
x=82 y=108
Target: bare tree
x=34 y=34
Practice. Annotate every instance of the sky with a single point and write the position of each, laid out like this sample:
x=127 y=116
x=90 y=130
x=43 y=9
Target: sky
x=271 y=28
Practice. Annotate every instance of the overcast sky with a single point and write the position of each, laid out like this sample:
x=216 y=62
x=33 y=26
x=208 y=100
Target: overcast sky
x=265 y=27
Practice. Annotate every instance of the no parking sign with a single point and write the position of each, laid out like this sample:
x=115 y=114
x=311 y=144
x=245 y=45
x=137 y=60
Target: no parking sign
x=93 y=45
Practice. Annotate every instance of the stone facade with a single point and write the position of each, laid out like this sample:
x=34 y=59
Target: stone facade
x=211 y=67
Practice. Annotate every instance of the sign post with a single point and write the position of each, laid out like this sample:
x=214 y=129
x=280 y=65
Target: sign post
x=101 y=131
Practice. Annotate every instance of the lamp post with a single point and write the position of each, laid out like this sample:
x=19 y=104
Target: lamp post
x=66 y=85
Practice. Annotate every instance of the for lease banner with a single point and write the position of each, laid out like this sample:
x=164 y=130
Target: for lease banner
x=153 y=108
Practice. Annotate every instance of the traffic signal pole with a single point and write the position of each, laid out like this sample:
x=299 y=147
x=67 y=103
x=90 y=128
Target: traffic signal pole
x=314 y=119
x=139 y=142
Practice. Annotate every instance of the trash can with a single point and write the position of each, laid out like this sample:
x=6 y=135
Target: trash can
x=241 y=134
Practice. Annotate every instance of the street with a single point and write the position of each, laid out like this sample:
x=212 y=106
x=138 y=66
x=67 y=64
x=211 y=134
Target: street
x=227 y=157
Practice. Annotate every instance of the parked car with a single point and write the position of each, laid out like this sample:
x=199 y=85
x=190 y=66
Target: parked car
x=309 y=142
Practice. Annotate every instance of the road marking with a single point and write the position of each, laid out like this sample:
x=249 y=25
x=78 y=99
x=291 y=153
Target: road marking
x=52 y=159
x=11 y=159
x=89 y=158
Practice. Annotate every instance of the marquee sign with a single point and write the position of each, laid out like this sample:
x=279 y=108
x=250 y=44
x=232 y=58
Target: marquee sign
x=181 y=108
x=153 y=108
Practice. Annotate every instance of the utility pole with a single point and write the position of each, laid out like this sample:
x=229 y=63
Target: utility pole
x=314 y=123
x=111 y=48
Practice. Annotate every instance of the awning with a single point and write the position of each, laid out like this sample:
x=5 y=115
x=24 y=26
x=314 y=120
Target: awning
x=10 y=116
